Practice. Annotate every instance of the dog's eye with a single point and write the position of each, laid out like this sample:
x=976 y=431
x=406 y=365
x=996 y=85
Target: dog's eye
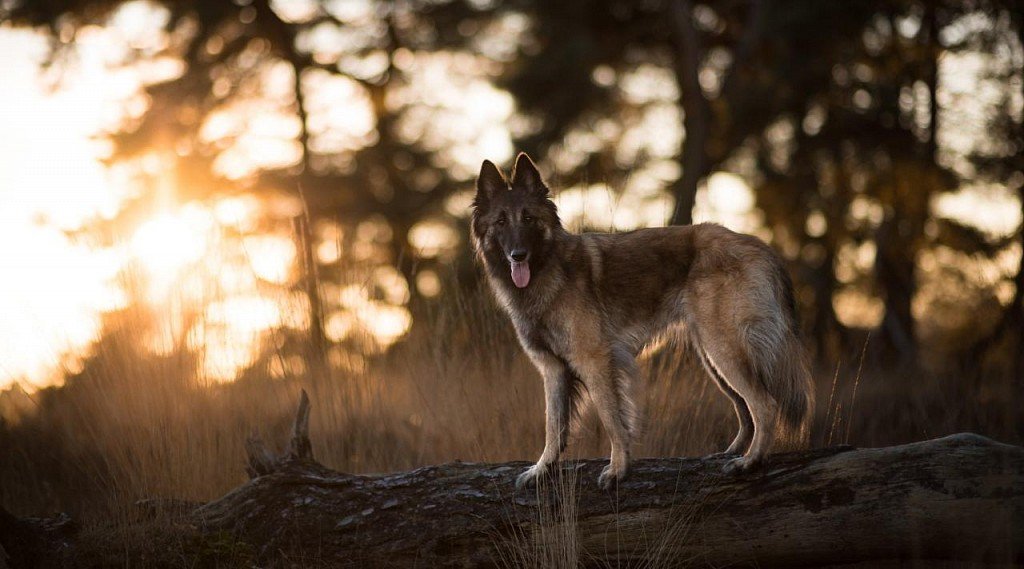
x=501 y=220
x=527 y=219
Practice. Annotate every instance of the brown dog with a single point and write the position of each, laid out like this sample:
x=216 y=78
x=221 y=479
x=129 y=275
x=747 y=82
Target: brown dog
x=585 y=305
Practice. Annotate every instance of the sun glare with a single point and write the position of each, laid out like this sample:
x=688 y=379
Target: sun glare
x=52 y=182
x=54 y=289
x=191 y=263
x=52 y=295
x=270 y=257
x=169 y=242
x=57 y=286
x=231 y=335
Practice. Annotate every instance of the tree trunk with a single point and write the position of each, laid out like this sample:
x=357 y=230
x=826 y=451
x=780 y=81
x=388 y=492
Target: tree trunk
x=696 y=113
x=895 y=272
x=1015 y=312
x=318 y=343
x=698 y=158
x=1011 y=323
x=960 y=497
x=283 y=38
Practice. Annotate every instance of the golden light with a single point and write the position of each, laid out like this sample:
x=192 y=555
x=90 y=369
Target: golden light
x=853 y=260
x=590 y=206
x=54 y=288
x=192 y=264
x=727 y=199
x=239 y=212
x=52 y=295
x=387 y=323
x=854 y=308
x=270 y=256
x=432 y=238
x=428 y=283
x=992 y=209
x=329 y=242
x=216 y=259
x=229 y=339
x=377 y=308
x=451 y=89
x=391 y=285
x=339 y=325
x=169 y=242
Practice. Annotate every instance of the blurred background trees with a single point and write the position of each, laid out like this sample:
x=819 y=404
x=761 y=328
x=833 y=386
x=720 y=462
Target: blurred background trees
x=848 y=121
x=857 y=127
x=291 y=181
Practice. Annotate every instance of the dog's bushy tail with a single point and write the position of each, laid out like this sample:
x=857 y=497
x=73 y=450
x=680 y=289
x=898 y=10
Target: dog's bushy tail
x=795 y=394
x=780 y=362
x=784 y=372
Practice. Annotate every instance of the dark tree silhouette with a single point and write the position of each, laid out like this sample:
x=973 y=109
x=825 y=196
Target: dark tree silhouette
x=832 y=110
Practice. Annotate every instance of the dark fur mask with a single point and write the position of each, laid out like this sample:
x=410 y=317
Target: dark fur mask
x=513 y=223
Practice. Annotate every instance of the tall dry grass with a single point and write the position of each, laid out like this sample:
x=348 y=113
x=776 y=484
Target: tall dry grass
x=131 y=425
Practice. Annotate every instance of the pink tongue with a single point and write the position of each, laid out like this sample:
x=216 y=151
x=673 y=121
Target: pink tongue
x=521 y=273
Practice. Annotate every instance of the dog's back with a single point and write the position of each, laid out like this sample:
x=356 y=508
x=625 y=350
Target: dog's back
x=716 y=282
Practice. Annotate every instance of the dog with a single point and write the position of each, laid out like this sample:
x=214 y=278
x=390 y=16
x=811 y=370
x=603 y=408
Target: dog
x=584 y=306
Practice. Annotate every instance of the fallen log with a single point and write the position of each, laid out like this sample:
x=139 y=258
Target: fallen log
x=957 y=498
x=35 y=542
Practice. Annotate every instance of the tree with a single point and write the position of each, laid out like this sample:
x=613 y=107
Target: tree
x=240 y=63
x=836 y=127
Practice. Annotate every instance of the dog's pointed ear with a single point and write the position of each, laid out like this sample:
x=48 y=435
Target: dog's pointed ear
x=525 y=175
x=488 y=183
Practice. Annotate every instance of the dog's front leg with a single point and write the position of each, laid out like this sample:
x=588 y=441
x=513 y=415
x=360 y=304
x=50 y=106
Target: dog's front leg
x=557 y=408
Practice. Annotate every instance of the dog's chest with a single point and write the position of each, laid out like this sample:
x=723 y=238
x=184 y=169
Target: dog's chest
x=545 y=336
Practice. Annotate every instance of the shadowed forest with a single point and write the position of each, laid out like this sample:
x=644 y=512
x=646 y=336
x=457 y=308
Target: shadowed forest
x=283 y=198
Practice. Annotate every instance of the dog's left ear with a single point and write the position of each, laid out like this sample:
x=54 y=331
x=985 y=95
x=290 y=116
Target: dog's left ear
x=525 y=175
x=488 y=183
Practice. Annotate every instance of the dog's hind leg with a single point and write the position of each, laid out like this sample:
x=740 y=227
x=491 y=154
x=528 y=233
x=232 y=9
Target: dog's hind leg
x=608 y=381
x=745 y=434
x=727 y=357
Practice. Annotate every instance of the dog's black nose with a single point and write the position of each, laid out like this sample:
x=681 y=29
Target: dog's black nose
x=518 y=255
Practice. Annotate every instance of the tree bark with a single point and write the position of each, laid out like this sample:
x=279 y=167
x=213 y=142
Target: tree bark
x=959 y=497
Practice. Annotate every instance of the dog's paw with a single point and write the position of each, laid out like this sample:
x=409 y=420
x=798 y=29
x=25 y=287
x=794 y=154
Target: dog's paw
x=530 y=476
x=740 y=465
x=610 y=477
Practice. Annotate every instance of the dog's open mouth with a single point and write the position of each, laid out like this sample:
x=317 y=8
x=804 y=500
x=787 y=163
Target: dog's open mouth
x=521 y=273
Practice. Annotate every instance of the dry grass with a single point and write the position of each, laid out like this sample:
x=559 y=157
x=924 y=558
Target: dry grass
x=552 y=540
x=133 y=426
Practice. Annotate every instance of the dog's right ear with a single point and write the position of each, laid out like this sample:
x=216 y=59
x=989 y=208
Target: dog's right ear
x=488 y=184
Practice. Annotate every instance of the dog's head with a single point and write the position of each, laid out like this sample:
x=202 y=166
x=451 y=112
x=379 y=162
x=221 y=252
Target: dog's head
x=514 y=221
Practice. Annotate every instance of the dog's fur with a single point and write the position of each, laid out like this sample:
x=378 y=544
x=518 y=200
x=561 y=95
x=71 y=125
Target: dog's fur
x=592 y=301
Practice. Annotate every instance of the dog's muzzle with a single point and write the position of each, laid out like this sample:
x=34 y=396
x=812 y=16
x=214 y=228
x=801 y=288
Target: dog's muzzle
x=520 y=267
